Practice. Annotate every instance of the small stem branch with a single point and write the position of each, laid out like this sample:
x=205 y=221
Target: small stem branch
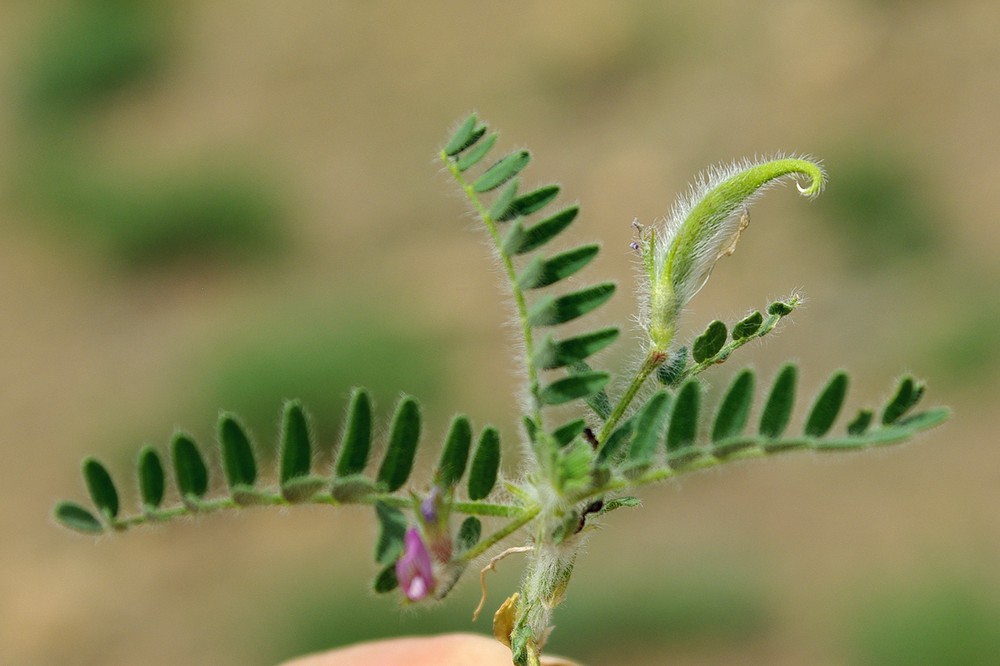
x=526 y=517
x=653 y=360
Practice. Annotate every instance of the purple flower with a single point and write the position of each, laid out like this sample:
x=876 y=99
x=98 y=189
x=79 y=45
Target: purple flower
x=413 y=568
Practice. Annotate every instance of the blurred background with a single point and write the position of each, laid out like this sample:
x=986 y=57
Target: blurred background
x=223 y=204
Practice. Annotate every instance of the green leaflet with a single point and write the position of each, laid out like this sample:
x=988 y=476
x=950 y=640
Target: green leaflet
x=671 y=372
x=466 y=135
x=579 y=385
x=505 y=169
x=734 y=411
x=860 y=423
x=403 y=438
x=748 y=326
x=478 y=152
x=615 y=442
x=599 y=402
x=529 y=203
x=648 y=428
x=682 y=431
x=357 y=440
x=778 y=408
x=521 y=239
x=827 y=405
x=455 y=454
x=567 y=432
x=296 y=442
x=392 y=530
x=468 y=534
x=503 y=201
x=485 y=464
x=709 y=343
x=77 y=518
x=907 y=395
x=556 y=354
x=102 y=489
x=385 y=581
x=151 y=478
x=190 y=471
x=238 y=460
x=552 y=311
x=542 y=272
x=780 y=308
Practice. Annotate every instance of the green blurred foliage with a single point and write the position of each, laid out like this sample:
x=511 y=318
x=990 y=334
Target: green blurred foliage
x=88 y=52
x=882 y=209
x=938 y=621
x=319 y=361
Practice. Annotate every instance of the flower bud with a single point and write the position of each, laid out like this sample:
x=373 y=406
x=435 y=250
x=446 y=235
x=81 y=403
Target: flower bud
x=433 y=512
x=413 y=568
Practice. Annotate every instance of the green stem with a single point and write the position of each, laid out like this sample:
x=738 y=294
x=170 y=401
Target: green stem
x=485 y=544
x=653 y=360
x=508 y=266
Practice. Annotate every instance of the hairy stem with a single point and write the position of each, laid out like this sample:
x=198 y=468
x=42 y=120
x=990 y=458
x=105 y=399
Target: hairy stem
x=508 y=267
x=652 y=361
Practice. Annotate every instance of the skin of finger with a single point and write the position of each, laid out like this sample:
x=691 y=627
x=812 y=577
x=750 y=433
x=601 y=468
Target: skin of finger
x=448 y=650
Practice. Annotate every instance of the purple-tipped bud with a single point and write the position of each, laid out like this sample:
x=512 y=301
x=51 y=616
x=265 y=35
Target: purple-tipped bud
x=430 y=507
x=413 y=568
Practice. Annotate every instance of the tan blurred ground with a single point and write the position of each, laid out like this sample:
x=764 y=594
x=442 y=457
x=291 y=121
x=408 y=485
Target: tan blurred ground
x=621 y=103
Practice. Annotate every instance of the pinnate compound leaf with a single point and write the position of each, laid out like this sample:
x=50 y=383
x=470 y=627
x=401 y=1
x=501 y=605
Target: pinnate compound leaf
x=296 y=442
x=529 y=203
x=521 y=239
x=648 y=427
x=190 y=471
x=908 y=393
x=77 y=518
x=455 y=454
x=682 y=431
x=503 y=201
x=748 y=326
x=734 y=410
x=357 y=440
x=709 y=343
x=466 y=135
x=541 y=272
x=392 y=530
x=485 y=464
x=556 y=354
x=102 y=489
x=827 y=406
x=468 y=534
x=477 y=153
x=778 y=408
x=151 y=478
x=238 y=460
x=403 y=439
x=572 y=387
x=553 y=311
x=505 y=169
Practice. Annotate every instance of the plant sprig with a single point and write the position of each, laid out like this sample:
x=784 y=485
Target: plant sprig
x=575 y=467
